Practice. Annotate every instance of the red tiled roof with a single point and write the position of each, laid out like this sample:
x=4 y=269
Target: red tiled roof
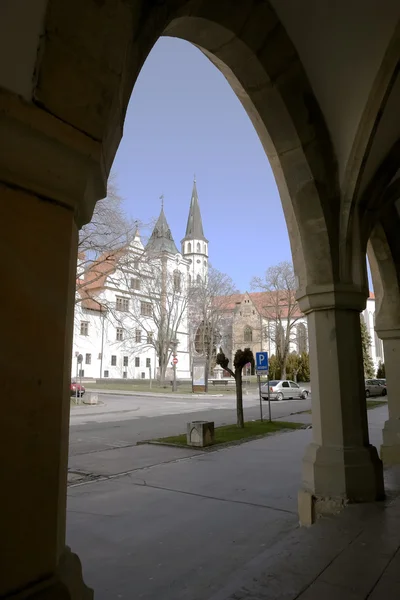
x=264 y=302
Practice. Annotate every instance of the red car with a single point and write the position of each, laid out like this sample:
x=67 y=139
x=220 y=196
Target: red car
x=76 y=389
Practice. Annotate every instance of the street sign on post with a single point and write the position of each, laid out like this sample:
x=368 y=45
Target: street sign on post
x=262 y=369
x=175 y=361
x=261 y=362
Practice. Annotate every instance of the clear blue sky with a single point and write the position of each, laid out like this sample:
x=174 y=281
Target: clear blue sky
x=183 y=118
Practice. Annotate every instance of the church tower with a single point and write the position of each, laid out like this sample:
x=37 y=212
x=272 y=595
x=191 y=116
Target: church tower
x=194 y=244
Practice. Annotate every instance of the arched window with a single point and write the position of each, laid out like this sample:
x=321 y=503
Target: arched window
x=248 y=334
x=189 y=248
x=177 y=281
x=301 y=338
x=190 y=279
x=198 y=246
x=198 y=279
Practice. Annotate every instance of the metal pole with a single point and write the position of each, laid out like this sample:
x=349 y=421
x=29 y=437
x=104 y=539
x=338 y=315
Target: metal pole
x=259 y=390
x=80 y=384
x=76 y=384
x=174 y=386
x=102 y=347
x=269 y=399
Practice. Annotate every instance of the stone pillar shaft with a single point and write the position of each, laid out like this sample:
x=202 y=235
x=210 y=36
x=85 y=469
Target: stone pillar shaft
x=339 y=465
x=38 y=245
x=50 y=178
x=390 y=449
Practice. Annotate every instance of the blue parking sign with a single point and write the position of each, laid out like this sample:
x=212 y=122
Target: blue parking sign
x=261 y=361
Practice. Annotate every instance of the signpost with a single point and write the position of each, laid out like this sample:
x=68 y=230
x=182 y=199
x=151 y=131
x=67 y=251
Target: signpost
x=262 y=369
x=79 y=359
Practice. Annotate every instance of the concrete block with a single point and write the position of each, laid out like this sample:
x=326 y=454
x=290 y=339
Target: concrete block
x=91 y=398
x=200 y=433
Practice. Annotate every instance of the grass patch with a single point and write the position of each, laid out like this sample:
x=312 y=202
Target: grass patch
x=375 y=403
x=232 y=433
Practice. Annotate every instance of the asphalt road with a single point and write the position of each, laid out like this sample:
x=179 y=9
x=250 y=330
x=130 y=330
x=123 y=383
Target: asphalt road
x=124 y=420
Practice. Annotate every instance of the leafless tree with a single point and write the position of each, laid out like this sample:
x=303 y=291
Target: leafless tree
x=101 y=240
x=241 y=359
x=153 y=315
x=280 y=309
x=210 y=314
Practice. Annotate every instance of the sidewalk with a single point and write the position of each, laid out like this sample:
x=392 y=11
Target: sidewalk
x=223 y=525
x=167 y=394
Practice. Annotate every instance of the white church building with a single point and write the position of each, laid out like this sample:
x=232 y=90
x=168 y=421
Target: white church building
x=126 y=301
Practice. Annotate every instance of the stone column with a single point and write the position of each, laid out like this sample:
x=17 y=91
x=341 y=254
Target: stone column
x=390 y=449
x=47 y=175
x=339 y=465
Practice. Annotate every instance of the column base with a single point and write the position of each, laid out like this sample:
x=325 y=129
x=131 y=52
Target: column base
x=333 y=477
x=390 y=449
x=66 y=584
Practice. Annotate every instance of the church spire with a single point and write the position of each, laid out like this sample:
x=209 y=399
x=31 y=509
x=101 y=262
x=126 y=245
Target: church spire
x=161 y=239
x=194 y=227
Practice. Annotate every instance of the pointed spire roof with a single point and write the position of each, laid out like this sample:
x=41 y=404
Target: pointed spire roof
x=194 y=227
x=161 y=239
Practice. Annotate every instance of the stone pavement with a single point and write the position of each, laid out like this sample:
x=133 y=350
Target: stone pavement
x=223 y=525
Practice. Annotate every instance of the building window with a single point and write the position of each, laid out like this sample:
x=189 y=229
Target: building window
x=138 y=336
x=137 y=361
x=88 y=359
x=189 y=248
x=125 y=374
x=150 y=337
x=145 y=309
x=81 y=373
x=113 y=360
x=105 y=373
x=122 y=303
x=198 y=247
x=148 y=362
x=135 y=284
x=177 y=281
x=99 y=356
x=125 y=361
x=136 y=263
x=120 y=334
x=84 y=328
x=248 y=334
x=198 y=279
x=301 y=338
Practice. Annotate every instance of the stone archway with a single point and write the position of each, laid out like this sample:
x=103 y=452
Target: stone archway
x=62 y=112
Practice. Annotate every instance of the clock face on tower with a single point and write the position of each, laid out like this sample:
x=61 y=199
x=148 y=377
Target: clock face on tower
x=198 y=261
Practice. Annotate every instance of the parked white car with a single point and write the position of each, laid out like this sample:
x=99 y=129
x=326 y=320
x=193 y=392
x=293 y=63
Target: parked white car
x=283 y=389
x=373 y=387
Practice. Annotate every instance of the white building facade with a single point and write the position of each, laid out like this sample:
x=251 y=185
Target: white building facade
x=376 y=347
x=124 y=304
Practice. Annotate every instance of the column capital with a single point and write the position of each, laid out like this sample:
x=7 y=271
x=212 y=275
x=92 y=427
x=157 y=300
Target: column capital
x=47 y=157
x=331 y=296
x=388 y=334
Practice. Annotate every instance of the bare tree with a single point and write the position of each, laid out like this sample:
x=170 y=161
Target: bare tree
x=210 y=314
x=153 y=314
x=241 y=359
x=101 y=240
x=280 y=308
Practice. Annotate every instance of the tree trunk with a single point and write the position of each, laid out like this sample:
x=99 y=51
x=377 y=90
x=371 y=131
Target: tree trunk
x=239 y=398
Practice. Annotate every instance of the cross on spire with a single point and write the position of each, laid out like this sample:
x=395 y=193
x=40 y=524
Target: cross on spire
x=162 y=201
